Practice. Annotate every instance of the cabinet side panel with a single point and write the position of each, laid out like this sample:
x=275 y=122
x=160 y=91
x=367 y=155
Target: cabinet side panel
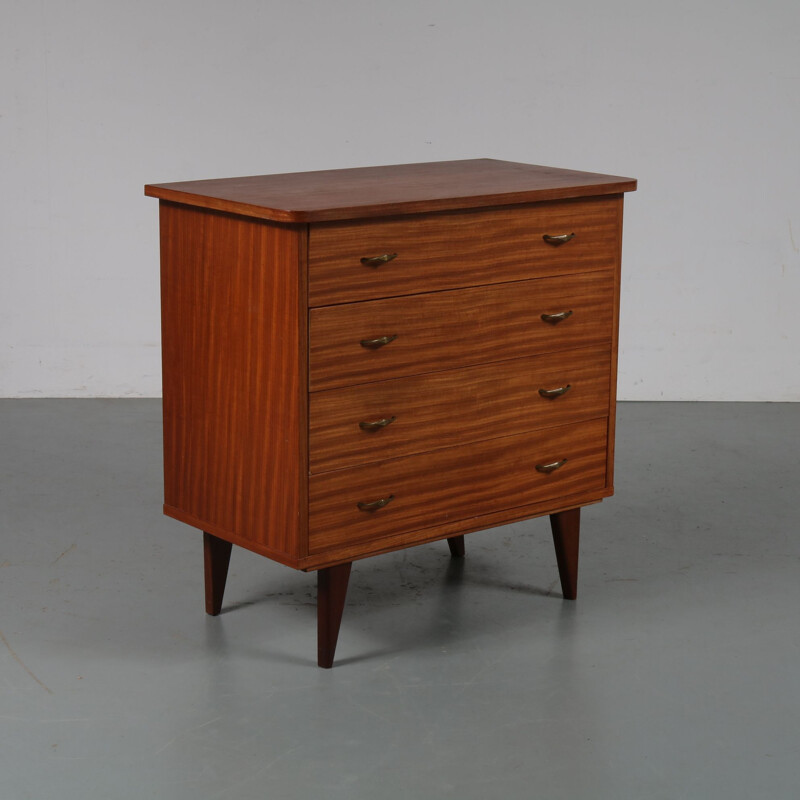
x=612 y=399
x=234 y=376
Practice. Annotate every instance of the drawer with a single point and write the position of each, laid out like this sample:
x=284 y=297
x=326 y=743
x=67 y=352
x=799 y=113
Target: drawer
x=445 y=330
x=453 y=407
x=455 y=483
x=448 y=250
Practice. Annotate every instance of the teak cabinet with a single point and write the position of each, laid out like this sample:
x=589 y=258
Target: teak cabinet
x=357 y=361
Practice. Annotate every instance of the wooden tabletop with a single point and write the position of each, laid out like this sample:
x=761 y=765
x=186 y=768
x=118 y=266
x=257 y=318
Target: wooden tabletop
x=382 y=191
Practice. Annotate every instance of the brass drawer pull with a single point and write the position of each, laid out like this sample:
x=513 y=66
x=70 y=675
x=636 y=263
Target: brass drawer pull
x=374 y=344
x=376 y=504
x=377 y=425
x=554 y=319
x=555 y=392
x=552 y=467
x=376 y=261
x=557 y=240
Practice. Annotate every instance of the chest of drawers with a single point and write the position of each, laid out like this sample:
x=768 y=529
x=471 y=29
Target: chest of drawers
x=358 y=361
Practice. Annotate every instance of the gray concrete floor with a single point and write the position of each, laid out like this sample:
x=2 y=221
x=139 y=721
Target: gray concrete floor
x=676 y=674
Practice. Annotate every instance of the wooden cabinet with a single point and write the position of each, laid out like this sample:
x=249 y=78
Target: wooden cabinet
x=357 y=361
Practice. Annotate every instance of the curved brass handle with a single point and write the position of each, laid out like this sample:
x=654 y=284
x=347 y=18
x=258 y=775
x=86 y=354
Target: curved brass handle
x=376 y=504
x=554 y=319
x=376 y=261
x=557 y=240
x=552 y=467
x=374 y=344
x=377 y=425
x=555 y=392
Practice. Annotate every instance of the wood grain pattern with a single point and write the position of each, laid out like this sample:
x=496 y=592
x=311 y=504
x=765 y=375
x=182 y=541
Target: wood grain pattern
x=384 y=191
x=233 y=338
x=289 y=559
x=612 y=387
x=373 y=547
x=455 y=483
x=453 y=407
x=444 y=330
x=451 y=250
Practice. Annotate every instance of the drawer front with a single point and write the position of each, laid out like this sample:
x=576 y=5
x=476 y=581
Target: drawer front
x=445 y=251
x=454 y=407
x=455 y=483
x=445 y=330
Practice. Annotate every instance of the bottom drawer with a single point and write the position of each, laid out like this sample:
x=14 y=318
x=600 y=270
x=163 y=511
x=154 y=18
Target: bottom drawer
x=455 y=483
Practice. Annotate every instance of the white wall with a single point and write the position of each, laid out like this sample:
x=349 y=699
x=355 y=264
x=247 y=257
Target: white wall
x=700 y=101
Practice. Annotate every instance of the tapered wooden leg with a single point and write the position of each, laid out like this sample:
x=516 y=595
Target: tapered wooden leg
x=216 y=558
x=331 y=592
x=566 y=527
x=456 y=544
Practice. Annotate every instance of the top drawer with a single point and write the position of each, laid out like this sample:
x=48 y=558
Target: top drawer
x=455 y=249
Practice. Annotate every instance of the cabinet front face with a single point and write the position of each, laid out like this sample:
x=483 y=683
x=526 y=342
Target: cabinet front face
x=460 y=365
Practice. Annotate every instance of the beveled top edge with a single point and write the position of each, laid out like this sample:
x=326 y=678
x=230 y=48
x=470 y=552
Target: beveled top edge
x=340 y=194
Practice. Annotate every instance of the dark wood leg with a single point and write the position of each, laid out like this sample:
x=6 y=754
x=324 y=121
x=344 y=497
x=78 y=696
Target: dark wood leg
x=331 y=592
x=566 y=527
x=456 y=544
x=216 y=558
